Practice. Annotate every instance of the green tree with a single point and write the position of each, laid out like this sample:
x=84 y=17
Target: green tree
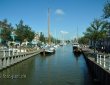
x=96 y=31
x=6 y=31
x=106 y=10
x=42 y=37
x=83 y=40
x=24 y=32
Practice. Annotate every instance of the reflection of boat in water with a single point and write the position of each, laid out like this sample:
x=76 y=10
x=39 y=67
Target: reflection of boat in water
x=77 y=54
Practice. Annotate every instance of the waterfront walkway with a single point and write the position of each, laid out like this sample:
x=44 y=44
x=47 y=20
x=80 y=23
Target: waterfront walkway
x=11 y=57
x=99 y=65
x=103 y=59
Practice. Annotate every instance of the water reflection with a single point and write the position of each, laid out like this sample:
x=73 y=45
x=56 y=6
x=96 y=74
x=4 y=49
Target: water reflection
x=77 y=55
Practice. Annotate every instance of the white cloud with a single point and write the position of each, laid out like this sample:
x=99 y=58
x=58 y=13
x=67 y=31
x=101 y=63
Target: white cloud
x=59 y=12
x=64 y=32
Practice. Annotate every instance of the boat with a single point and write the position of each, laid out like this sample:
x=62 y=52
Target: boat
x=55 y=46
x=48 y=49
x=76 y=45
x=76 y=48
x=61 y=44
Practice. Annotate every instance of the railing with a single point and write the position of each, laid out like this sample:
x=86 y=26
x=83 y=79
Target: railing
x=10 y=59
x=12 y=52
x=104 y=61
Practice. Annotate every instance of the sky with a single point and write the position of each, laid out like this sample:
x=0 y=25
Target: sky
x=66 y=16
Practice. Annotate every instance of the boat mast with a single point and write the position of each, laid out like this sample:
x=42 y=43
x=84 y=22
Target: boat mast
x=77 y=34
x=49 y=39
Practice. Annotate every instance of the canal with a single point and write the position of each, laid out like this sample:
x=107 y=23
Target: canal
x=61 y=68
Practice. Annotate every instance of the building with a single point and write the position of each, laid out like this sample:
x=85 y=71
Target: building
x=36 y=39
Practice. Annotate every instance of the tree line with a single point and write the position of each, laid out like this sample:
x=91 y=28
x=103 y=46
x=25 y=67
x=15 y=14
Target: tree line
x=21 y=32
x=44 y=39
x=99 y=28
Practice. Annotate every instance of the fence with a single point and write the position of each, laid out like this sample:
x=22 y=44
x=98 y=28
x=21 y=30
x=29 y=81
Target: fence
x=104 y=61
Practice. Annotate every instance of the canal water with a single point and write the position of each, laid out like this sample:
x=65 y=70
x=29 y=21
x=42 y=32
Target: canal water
x=61 y=68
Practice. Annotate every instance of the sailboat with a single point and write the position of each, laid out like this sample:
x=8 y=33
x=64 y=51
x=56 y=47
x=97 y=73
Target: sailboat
x=76 y=45
x=49 y=49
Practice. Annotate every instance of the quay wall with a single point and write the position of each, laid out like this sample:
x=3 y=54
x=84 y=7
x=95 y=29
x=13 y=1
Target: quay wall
x=8 y=61
x=98 y=73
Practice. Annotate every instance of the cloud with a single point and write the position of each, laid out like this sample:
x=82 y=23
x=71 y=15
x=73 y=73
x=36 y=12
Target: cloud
x=59 y=12
x=64 y=32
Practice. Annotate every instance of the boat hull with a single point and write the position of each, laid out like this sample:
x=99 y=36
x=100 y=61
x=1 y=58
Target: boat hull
x=76 y=50
x=45 y=52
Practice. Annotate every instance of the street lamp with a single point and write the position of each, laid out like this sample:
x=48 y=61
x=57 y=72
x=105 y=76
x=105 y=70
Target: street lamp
x=13 y=35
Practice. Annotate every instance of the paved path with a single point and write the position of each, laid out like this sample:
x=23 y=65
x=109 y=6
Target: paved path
x=93 y=56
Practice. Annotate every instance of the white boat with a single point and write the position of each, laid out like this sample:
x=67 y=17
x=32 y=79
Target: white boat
x=76 y=45
x=48 y=50
x=76 y=48
x=56 y=46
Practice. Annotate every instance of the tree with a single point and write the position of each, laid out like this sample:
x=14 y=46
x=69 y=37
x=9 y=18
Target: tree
x=6 y=31
x=24 y=32
x=83 y=40
x=96 y=31
x=106 y=10
x=42 y=37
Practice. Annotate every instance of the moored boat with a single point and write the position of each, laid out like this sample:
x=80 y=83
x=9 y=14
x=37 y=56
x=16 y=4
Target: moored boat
x=48 y=50
x=76 y=48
